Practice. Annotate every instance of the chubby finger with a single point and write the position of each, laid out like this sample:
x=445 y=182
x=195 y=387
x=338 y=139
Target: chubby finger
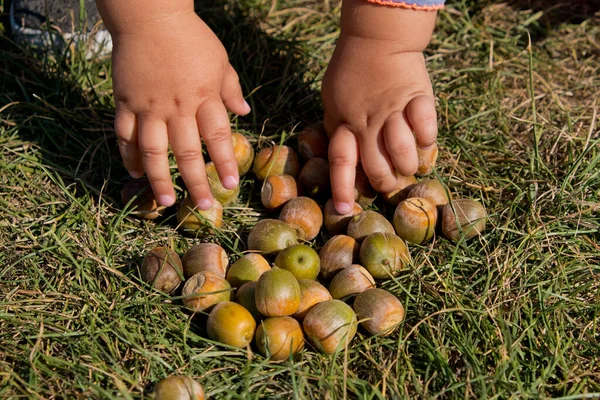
x=126 y=130
x=186 y=145
x=154 y=144
x=400 y=144
x=343 y=156
x=231 y=93
x=213 y=123
x=376 y=163
x=422 y=117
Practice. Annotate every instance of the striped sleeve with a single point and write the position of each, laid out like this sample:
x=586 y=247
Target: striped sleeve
x=422 y=5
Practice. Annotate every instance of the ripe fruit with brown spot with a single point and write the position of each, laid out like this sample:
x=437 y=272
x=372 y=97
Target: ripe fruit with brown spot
x=311 y=293
x=366 y=223
x=305 y=214
x=231 y=324
x=246 y=269
x=364 y=194
x=193 y=220
x=415 y=220
x=177 y=387
x=278 y=190
x=469 y=215
x=245 y=296
x=314 y=177
x=427 y=159
x=384 y=255
x=336 y=223
x=350 y=281
x=379 y=311
x=279 y=338
x=432 y=190
x=243 y=152
x=162 y=269
x=270 y=236
x=222 y=195
x=330 y=326
x=313 y=141
x=277 y=293
x=301 y=260
x=204 y=290
x=405 y=185
x=144 y=203
x=205 y=257
x=339 y=252
x=276 y=160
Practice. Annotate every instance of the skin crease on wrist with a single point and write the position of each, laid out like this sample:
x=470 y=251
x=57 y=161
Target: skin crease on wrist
x=378 y=100
x=172 y=84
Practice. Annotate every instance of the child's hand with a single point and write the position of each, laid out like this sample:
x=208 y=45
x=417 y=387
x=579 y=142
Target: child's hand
x=376 y=93
x=173 y=83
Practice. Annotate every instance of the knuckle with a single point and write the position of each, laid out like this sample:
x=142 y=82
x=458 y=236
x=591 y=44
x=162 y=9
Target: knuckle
x=188 y=155
x=400 y=147
x=340 y=160
x=198 y=186
x=381 y=180
x=159 y=181
x=152 y=152
x=226 y=164
x=218 y=136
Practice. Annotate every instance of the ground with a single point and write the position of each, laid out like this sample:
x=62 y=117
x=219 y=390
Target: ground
x=514 y=313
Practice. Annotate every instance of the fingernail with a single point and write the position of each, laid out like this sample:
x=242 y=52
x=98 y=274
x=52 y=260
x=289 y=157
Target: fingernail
x=247 y=105
x=343 y=208
x=166 y=200
x=136 y=174
x=205 y=204
x=230 y=182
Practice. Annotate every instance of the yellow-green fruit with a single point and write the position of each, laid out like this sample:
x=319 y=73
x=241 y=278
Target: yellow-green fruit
x=415 y=220
x=405 y=185
x=162 y=269
x=350 y=281
x=330 y=326
x=177 y=387
x=243 y=151
x=279 y=338
x=469 y=214
x=432 y=190
x=247 y=268
x=336 y=223
x=276 y=160
x=314 y=177
x=245 y=296
x=427 y=159
x=205 y=257
x=339 y=252
x=204 y=290
x=305 y=215
x=277 y=293
x=313 y=141
x=311 y=293
x=384 y=255
x=222 y=195
x=231 y=324
x=144 y=203
x=367 y=222
x=364 y=194
x=270 y=236
x=192 y=219
x=379 y=311
x=301 y=260
x=278 y=190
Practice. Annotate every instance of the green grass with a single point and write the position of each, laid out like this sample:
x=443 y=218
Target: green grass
x=513 y=314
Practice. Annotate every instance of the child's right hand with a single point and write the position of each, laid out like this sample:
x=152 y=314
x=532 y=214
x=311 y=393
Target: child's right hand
x=173 y=83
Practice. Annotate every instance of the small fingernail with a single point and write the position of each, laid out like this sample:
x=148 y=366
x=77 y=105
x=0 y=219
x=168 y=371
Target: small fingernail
x=136 y=174
x=166 y=200
x=343 y=208
x=205 y=204
x=247 y=105
x=230 y=182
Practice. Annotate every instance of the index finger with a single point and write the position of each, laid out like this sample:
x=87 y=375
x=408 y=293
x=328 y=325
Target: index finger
x=343 y=157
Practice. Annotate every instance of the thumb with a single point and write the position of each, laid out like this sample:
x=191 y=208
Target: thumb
x=231 y=93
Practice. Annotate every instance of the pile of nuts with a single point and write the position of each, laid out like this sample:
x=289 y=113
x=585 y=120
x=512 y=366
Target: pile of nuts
x=282 y=291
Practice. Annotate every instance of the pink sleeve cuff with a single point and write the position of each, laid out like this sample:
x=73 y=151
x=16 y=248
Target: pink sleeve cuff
x=421 y=5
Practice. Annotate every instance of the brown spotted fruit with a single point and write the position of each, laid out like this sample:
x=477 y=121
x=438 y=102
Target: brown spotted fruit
x=403 y=188
x=222 y=195
x=205 y=257
x=311 y=293
x=427 y=159
x=270 y=236
x=231 y=324
x=379 y=311
x=276 y=160
x=463 y=217
x=330 y=326
x=339 y=252
x=415 y=220
x=364 y=194
x=192 y=219
x=366 y=223
x=139 y=193
x=336 y=223
x=204 y=290
x=277 y=293
x=301 y=260
x=178 y=387
x=305 y=215
x=243 y=152
x=246 y=269
x=384 y=255
x=162 y=269
x=245 y=296
x=350 y=281
x=314 y=177
x=313 y=141
x=279 y=338
x=278 y=190
x=433 y=190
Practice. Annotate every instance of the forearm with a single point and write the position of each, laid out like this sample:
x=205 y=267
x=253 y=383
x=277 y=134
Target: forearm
x=410 y=28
